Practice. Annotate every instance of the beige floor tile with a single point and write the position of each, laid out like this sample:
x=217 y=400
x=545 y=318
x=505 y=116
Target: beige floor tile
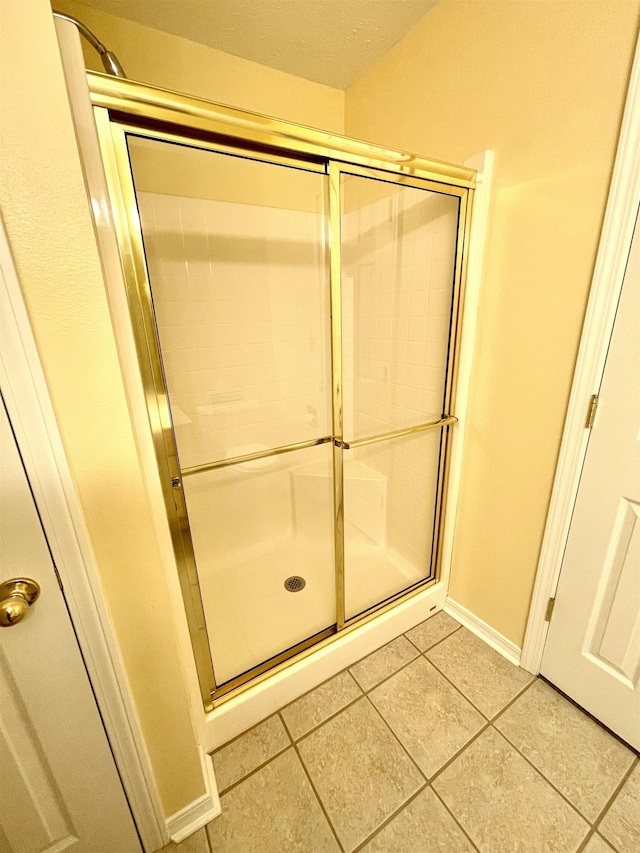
x=360 y=771
x=434 y=629
x=480 y=673
x=621 y=823
x=598 y=845
x=309 y=711
x=504 y=805
x=428 y=715
x=240 y=757
x=376 y=667
x=424 y=826
x=273 y=811
x=196 y=843
x=582 y=760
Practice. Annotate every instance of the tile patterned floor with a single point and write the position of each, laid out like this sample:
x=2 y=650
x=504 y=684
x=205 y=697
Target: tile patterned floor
x=432 y=744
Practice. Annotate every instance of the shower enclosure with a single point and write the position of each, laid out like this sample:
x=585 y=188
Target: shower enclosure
x=296 y=300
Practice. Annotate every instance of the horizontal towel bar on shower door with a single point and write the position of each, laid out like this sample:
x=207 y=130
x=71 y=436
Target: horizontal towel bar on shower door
x=260 y=454
x=398 y=433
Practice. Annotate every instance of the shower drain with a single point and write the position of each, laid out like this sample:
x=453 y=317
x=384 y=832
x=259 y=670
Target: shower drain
x=295 y=583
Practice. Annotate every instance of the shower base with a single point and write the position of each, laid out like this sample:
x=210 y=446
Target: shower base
x=251 y=616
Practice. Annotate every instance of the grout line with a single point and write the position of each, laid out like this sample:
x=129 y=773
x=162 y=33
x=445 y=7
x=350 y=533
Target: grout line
x=402 y=746
x=206 y=836
x=318 y=686
x=585 y=841
x=389 y=819
x=455 y=687
x=411 y=641
x=609 y=731
x=544 y=776
x=513 y=700
x=459 y=689
x=391 y=674
x=437 y=642
x=254 y=770
x=455 y=819
x=317 y=796
x=540 y=773
x=614 y=796
x=484 y=728
x=459 y=752
x=489 y=723
x=246 y=732
x=326 y=720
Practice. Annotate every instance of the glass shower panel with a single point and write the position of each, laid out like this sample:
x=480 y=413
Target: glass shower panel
x=398 y=246
x=238 y=270
x=237 y=263
x=254 y=525
x=398 y=263
x=390 y=505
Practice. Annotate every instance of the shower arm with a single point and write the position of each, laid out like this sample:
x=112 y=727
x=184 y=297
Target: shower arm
x=109 y=60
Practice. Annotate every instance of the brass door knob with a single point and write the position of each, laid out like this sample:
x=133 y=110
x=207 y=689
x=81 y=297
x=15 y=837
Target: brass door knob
x=16 y=597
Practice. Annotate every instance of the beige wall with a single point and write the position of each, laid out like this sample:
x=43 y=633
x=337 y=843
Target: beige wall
x=44 y=205
x=543 y=83
x=45 y=209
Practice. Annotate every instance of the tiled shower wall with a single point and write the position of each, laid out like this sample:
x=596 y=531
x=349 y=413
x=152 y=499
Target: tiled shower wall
x=241 y=297
x=398 y=266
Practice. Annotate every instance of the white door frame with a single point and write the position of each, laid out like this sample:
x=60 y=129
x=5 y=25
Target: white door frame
x=33 y=420
x=608 y=276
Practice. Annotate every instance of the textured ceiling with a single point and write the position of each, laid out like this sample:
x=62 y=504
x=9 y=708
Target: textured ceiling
x=329 y=41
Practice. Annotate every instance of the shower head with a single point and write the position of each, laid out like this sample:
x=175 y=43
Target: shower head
x=109 y=59
x=111 y=64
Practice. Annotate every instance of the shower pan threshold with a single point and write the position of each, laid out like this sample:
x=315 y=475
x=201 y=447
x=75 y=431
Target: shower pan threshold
x=252 y=617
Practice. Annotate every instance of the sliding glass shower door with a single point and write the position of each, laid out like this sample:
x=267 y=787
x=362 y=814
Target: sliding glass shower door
x=398 y=255
x=298 y=317
x=238 y=270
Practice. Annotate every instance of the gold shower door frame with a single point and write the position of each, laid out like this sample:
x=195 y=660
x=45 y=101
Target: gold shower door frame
x=121 y=108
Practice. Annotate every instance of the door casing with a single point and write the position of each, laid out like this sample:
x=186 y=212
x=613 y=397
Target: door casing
x=33 y=420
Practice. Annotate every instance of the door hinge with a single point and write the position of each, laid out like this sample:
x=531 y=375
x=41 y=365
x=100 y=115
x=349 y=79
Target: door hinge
x=593 y=406
x=550 y=605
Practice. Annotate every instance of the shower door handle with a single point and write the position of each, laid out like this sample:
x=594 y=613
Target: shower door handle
x=397 y=433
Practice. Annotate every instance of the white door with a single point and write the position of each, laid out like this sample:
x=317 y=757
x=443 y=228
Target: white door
x=59 y=787
x=592 y=651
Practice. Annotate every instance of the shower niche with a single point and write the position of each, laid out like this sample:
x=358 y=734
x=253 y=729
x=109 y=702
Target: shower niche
x=296 y=301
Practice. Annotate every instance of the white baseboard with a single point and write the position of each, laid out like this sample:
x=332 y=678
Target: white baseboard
x=491 y=637
x=200 y=812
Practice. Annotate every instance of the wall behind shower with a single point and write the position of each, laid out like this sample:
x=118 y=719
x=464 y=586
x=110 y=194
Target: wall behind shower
x=237 y=288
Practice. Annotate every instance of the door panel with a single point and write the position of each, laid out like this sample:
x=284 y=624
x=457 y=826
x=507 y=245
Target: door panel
x=238 y=272
x=59 y=786
x=398 y=265
x=592 y=651
x=398 y=293
x=390 y=502
x=255 y=524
